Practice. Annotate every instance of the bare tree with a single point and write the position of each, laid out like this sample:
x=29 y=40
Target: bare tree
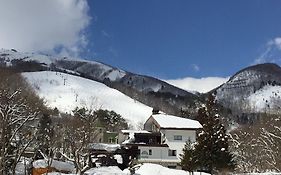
x=15 y=116
x=257 y=146
x=79 y=131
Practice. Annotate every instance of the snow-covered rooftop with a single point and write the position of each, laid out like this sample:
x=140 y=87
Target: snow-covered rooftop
x=134 y=131
x=104 y=146
x=59 y=165
x=170 y=121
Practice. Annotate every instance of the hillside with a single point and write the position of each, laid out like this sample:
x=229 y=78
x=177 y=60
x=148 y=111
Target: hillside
x=66 y=92
x=253 y=89
x=148 y=90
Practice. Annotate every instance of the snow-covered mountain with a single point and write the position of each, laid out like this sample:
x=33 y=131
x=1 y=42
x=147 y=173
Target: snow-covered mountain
x=66 y=92
x=253 y=89
x=148 y=90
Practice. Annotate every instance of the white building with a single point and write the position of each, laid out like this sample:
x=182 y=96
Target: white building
x=164 y=139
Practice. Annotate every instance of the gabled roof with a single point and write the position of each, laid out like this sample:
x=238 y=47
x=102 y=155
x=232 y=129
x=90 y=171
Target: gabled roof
x=174 y=122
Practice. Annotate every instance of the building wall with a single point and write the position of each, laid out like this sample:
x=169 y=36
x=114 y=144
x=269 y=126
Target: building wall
x=186 y=135
x=172 y=138
x=157 y=154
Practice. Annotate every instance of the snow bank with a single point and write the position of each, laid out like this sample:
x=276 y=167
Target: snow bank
x=112 y=170
x=154 y=169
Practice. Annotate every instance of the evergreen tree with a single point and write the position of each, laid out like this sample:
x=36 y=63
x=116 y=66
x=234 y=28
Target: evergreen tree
x=44 y=136
x=211 y=152
x=111 y=121
x=187 y=160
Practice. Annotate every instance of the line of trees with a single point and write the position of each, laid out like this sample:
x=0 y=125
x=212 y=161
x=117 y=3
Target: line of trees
x=26 y=125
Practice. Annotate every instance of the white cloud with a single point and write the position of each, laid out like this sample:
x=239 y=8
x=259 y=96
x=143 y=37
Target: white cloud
x=201 y=85
x=195 y=67
x=271 y=53
x=43 y=26
x=105 y=34
x=275 y=42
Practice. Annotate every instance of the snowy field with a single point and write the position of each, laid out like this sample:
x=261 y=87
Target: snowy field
x=66 y=92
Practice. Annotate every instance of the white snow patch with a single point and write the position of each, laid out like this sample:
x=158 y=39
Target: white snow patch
x=154 y=169
x=118 y=158
x=116 y=75
x=66 y=92
x=111 y=170
x=265 y=97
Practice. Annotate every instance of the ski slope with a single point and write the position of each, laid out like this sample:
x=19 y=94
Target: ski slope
x=66 y=92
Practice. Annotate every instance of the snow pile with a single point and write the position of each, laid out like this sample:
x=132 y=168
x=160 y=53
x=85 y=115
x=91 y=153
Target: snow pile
x=59 y=165
x=266 y=97
x=154 y=169
x=112 y=170
x=145 y=169
x=66 y=92
x=118 y=158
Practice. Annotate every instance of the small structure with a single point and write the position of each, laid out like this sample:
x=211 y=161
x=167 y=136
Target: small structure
x=163 y=139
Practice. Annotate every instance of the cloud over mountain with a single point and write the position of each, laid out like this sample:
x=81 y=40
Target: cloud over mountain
x=44 y=26
x=201 y=85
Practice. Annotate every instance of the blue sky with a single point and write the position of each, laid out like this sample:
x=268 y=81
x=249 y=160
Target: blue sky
x=168 y=39
x=173 y=39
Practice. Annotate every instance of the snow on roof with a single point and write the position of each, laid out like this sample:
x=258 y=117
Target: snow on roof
x=135 y=131
x=59 y=165
x=104 y=146
x=170 y=121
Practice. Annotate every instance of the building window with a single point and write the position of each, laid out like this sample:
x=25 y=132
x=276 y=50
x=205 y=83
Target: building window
x=177 y=137
x=172 y=152
x=110 y=140
x=172 y=167
x=153 y=128
x=150 y=152
x=144 y=153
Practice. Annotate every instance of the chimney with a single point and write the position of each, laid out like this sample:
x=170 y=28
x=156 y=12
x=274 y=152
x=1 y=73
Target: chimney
x=155 y=111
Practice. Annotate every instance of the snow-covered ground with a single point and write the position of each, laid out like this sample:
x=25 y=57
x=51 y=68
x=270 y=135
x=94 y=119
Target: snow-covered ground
x=145 y=169
x=66 y=92
x=265 y=98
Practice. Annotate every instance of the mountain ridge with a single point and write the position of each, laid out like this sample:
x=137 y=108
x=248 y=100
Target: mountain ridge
x=238 y=94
